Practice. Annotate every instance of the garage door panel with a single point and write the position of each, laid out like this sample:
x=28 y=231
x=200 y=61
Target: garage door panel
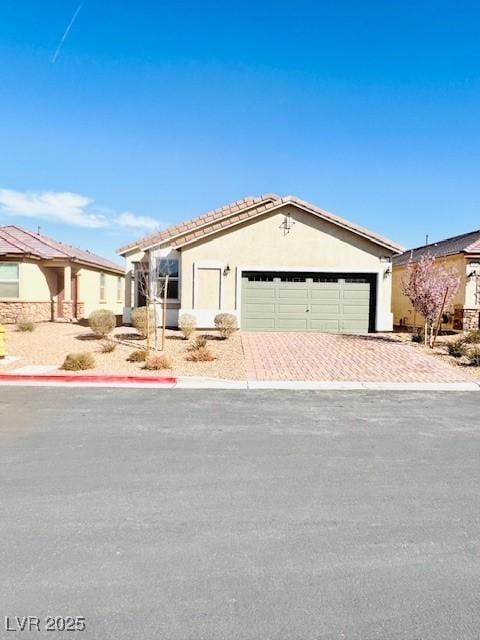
x=259 y=307
x=329 y=326
x=254 y=294
x=292 y=324
x=259 y=323
x=325 y=309
x=326 y=294
x=328 y=303
x=285 y=307
x=353 y=326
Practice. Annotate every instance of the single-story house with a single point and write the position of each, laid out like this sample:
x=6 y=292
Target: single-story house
x=276 y=263
x=43 y=280
x=461 y=253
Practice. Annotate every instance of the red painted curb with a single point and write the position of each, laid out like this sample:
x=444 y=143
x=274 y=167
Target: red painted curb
x=86 y=378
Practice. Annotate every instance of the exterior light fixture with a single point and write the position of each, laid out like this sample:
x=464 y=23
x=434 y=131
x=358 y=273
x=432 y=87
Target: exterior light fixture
x=226 y=271
x=288 y=222
x=387 y=272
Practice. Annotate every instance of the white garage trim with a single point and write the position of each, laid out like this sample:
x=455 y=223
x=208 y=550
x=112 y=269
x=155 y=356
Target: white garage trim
x=383 y=322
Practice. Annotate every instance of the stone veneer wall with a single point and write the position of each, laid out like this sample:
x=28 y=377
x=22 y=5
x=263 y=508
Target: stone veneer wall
x=12 y=311
x=466 y=319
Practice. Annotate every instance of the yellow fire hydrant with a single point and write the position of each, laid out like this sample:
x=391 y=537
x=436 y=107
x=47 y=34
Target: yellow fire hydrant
x=3 y=351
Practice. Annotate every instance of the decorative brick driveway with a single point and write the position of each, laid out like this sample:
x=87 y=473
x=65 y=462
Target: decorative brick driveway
x=329 y=357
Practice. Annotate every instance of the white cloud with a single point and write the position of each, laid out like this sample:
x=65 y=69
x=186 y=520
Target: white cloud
x=67 y=208
x=128 y=219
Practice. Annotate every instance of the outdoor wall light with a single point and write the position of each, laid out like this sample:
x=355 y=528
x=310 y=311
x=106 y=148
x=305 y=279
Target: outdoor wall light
x=472 y=274
x=226 y=271
x=387 y=272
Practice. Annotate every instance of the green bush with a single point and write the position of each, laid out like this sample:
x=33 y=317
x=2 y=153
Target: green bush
x=418 y=336
x=79 y=362
x=25 y=325
x=226 y=324
x=137 y=356
x=139 y=321
x=456 y=348
x=472 y=337
x=187 y=324
x=102 y=322
x=473 y=355
x=157 y=362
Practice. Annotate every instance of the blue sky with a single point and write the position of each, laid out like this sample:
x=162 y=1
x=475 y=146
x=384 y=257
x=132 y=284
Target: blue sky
x=156 y=111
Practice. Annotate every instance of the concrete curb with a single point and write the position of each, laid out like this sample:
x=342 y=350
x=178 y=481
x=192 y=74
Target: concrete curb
x=185 y=382
x=86 y=379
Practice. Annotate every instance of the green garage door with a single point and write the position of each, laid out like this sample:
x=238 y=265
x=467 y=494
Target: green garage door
x=297 y=302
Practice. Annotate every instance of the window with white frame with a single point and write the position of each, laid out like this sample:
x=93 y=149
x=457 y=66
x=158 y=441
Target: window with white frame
x=9 y=280
x=167 y=267
x=102 y=288
x=119 y=289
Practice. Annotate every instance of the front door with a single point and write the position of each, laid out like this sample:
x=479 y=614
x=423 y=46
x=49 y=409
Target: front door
x=60 y=293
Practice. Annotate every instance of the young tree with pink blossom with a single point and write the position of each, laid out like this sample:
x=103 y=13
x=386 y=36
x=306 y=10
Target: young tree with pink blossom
x=430 y=288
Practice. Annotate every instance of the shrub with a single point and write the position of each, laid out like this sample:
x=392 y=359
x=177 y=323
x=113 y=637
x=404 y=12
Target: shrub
x=418 y=335
x=25 y=325
x=472 y=337
x=102 y=322
x=474 y=356
x=108 y=346
x=226 y=324
x=456 y=348
x=203 y=354
x=158 y=361
x=199 y=343
x=79 y=362
x=139 y=321
x=137 y=356
x=187 y=324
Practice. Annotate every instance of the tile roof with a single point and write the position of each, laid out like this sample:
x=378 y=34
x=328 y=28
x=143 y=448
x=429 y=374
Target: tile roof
x=236 y=212
x=17 y=241
x=465 y=243
x=198 y=222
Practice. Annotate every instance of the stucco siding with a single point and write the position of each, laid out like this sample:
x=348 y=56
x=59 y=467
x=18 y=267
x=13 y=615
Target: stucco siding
x=89 y=291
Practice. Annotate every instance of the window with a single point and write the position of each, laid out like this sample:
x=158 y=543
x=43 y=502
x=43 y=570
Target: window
x=167 y=267
x=260 y=278
x=102 y=287
x=293 y=279
x=9 y=280
x=119 y=289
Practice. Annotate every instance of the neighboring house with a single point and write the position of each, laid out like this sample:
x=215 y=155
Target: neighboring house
x=463 y=254
x=276 y=263
x=42 y=279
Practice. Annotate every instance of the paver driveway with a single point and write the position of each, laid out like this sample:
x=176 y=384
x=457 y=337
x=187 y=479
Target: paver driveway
x=326 y=356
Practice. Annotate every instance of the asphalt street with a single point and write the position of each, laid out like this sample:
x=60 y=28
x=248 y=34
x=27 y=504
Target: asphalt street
x=217 y=514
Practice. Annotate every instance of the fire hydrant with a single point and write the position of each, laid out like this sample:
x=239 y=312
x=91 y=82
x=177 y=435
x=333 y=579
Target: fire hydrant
x=3 y=351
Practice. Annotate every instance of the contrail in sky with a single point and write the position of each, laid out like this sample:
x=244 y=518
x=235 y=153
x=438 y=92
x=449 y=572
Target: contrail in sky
x=67 y=31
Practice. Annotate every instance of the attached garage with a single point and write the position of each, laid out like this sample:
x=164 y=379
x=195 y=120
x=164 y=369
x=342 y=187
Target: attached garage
x=336 y=303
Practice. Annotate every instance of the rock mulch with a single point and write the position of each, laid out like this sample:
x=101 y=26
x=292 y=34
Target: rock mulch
x=51 y=342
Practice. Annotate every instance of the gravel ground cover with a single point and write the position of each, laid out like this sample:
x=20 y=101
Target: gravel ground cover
x=51 y=342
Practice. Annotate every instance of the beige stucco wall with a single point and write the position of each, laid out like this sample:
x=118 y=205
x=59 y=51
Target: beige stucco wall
x=36 y=282
x=403 y=312
x=264 y=244
x=89 y=291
